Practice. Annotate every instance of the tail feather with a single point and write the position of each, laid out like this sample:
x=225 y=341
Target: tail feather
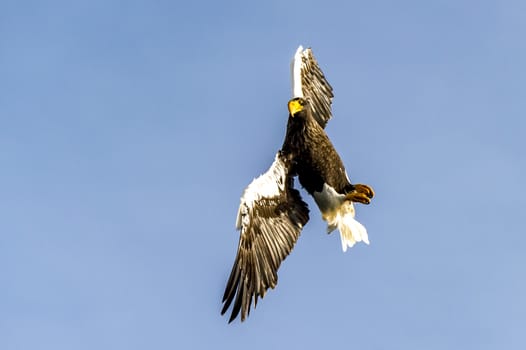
x=351 y=231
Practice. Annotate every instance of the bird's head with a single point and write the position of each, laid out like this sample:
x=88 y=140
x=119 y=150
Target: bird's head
x=297 y=105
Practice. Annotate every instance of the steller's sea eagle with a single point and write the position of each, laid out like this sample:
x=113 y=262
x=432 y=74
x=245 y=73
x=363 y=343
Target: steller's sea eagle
x=272 y=214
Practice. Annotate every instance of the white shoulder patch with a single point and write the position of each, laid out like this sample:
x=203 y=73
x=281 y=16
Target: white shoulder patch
x=268 y=185
x=295 y=69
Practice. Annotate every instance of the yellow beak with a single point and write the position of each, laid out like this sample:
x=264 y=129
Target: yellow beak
x=294 y=107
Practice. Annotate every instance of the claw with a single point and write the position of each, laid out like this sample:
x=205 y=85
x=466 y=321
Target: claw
x=359 y=197
x=365 y=189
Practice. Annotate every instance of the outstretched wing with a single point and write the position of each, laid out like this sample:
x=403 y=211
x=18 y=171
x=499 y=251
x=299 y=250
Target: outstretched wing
x=270 y=218
x=309 y=82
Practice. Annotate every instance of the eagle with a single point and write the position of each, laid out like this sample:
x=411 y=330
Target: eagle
x=272 y=213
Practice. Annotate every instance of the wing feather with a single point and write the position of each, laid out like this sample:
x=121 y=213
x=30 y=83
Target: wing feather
x=309 y=82
x=270 y=217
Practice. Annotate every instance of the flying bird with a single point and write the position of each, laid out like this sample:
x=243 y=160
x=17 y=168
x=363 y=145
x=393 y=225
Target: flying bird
x=272 y=213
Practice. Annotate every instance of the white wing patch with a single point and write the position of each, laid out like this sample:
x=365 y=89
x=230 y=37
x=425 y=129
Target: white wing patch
x=267 y=185
x=295 y=69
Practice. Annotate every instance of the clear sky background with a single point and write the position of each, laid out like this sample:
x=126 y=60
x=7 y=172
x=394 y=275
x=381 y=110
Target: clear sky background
x=129 y=129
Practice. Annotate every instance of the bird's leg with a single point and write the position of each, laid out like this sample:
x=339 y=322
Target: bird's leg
x=361 y=194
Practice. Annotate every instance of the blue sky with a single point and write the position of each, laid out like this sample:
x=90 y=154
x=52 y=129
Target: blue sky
x=129 y=129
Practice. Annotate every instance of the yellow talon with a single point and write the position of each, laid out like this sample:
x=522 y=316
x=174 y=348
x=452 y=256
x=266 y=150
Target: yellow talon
x=365 y=189
x=358 y=197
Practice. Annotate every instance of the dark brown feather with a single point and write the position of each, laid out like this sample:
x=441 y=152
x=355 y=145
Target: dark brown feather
x=316 y=89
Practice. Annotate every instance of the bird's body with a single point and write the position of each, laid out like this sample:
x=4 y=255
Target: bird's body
x=272 y=214
x=315 y=160
x=321 y=172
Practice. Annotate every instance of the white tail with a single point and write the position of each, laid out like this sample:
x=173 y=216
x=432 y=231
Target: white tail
x=351 y=231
